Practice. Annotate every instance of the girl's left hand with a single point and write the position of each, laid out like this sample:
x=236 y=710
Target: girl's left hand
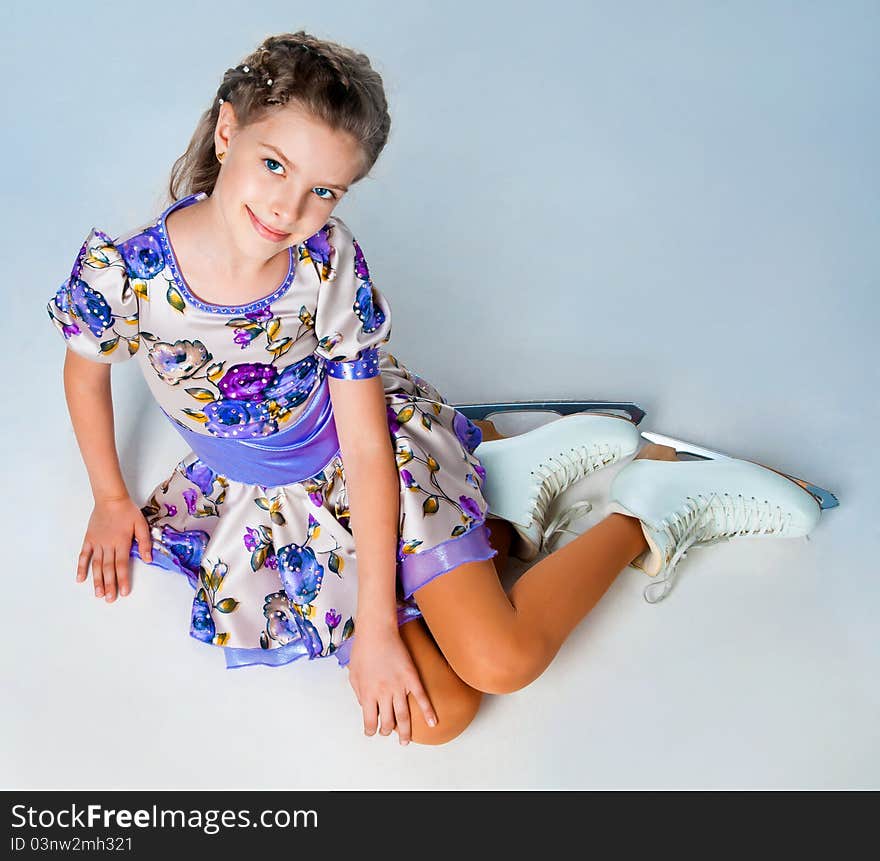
x=382 y=672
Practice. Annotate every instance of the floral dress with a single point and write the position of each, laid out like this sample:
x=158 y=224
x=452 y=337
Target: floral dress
x=273 y=567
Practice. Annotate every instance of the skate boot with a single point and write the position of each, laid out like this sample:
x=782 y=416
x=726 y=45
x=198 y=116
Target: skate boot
x=687 y=503
x=525 y=473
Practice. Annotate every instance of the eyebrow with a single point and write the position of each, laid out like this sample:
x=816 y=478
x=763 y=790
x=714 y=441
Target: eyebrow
x=342 y=188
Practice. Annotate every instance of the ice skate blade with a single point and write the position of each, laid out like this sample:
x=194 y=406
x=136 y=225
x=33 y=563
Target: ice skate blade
x=825 y=498
x=563 y=408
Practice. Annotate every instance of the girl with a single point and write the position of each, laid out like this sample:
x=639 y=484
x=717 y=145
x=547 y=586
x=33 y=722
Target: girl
x=333 y=503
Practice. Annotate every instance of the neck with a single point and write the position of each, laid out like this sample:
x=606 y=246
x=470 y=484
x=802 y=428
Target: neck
x=218 y=250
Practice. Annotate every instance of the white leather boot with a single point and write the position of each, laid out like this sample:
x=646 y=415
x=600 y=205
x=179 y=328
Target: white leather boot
x=525 y=473
x=687 y=503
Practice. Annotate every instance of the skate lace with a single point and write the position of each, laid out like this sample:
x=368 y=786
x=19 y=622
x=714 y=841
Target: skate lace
x=558 y=473
x=709 y=519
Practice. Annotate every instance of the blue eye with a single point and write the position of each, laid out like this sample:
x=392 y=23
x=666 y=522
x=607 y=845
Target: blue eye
x=318 y=188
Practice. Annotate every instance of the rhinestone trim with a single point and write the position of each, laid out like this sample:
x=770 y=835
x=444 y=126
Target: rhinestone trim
x=183 y=287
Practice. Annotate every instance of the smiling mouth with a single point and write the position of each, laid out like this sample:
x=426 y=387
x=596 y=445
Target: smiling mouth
x=264 y=230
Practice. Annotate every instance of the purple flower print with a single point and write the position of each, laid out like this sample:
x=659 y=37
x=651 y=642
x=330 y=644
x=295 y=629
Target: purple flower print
x=470 y=507
x=202 y=623
x=408 y=479
x=172 y=510
x=469 y=434
x=393 y=423
x=317 y=498
x=246 y=382
x=309 y=634
x=300 y=573
x=271 y=562
x=260 y=316
x=241 y=419
x=293 y=384
x=360 y=265
x=480 y=471
x=70 y=331
x=201 y=475
x=190 y=497
x=186 y=547
x=62 y=298
x=90 y=306
x=143 y=254
x=371 y=317
x=243 y=337
x=178 y=361
x=332 y=618
x=250 y=542
x=318 y=245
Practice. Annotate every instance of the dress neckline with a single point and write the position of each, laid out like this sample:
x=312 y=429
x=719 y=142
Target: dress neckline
x=183 y=287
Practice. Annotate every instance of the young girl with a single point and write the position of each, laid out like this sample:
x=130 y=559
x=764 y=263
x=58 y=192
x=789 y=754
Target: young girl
x=333 y=503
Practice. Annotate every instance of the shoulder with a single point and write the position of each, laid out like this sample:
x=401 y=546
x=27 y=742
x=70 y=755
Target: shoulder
x=142 y=250
x=335 y=249
x=327 y=246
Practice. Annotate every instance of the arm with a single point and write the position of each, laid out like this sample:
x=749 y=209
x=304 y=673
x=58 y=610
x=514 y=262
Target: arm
x=90 y=403
x=373 y=483
x=115 y=517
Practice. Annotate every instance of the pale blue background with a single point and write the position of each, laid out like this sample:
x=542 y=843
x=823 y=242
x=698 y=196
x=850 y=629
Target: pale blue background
x=671 y=203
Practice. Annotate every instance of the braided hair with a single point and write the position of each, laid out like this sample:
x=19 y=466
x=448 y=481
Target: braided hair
x=332 y=83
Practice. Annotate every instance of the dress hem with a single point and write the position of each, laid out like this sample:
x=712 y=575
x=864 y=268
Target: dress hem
x=470 y=547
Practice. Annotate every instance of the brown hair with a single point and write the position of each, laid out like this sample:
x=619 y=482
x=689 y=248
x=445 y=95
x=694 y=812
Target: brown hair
x=334 y=84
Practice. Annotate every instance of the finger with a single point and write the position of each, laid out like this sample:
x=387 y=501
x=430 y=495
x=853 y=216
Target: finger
x=401 y=709
x=109 y=570
x=386 y=710
x=123 y=570
x=145 y=541
x=421 y=697
x=82 y=567
x=370 y=709
x=97 y=570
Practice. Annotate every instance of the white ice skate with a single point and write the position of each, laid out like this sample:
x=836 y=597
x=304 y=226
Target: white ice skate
x=525 y=473
x=687 y=503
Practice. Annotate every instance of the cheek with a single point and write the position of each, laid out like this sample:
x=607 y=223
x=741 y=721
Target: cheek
x=319 y=209
x=245 y=183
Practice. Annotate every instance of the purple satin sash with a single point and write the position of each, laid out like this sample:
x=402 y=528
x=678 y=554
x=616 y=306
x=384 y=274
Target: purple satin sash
x=294 y=454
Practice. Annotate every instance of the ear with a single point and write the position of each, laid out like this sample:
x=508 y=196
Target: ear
x=226 y=126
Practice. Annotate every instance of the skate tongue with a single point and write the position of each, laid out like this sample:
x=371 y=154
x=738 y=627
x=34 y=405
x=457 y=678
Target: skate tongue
x=651 y=561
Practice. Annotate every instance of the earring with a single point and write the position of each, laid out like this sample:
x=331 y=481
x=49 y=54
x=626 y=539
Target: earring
x=220 y=156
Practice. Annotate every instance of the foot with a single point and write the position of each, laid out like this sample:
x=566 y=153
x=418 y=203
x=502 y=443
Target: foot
x=525 y=473
x=703 y=502
x=653 y=451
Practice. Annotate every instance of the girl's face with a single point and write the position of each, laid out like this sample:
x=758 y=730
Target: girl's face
x=287 y=171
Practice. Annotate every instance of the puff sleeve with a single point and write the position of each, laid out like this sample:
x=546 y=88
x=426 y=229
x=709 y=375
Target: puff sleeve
x=352 y=317
x=96 y=308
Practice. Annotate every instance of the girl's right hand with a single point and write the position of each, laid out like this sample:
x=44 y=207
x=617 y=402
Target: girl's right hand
x=108 y=544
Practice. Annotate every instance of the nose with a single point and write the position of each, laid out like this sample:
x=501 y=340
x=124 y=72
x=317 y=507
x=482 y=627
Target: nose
x=283 y=214
x=290 y=209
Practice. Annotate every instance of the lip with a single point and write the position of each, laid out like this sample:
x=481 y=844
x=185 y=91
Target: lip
x=264 y=231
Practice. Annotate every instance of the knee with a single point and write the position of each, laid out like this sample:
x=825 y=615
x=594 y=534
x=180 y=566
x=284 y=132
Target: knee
x=454 y=713
x=502 y=669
